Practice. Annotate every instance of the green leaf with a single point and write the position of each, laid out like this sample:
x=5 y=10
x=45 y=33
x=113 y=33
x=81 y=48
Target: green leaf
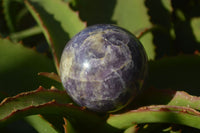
x=68 y=127
x=10 y=9
x=159 y=12
x=195 y=24
x=40 y=124
x=25 y=100
x=69 y=20
x=147 y=42
x=171 y=97
x=167 y=5
x=178 y=73
x=185 y=18
x=14 y=12
x=19 y=69
x=8 y=18
x=58 y=25
x=17 y=36
x=181 y=98
x=95 y=12
x=34 y=98
x=132 y=15
x=50 y=102
x=156 y=114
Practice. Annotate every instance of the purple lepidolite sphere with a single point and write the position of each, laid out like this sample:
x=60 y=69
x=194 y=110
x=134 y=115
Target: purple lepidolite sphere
x=103 y=67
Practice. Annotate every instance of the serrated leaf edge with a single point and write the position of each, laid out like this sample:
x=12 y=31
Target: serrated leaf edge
x=49 y=40
x=40 y=89
x=51 y=75
x=153 y=109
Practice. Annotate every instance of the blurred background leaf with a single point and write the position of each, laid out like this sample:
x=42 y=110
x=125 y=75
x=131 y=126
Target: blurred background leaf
x=20 y=67
x=178 y=73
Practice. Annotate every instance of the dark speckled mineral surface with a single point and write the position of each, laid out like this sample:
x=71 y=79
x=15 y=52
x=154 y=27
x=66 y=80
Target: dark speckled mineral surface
x=103 y=67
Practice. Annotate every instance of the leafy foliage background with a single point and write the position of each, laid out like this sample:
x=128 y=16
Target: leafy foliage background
x=34 y=32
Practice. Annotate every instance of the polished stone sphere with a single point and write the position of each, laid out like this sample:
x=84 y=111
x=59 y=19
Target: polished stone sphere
x=103 y=67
